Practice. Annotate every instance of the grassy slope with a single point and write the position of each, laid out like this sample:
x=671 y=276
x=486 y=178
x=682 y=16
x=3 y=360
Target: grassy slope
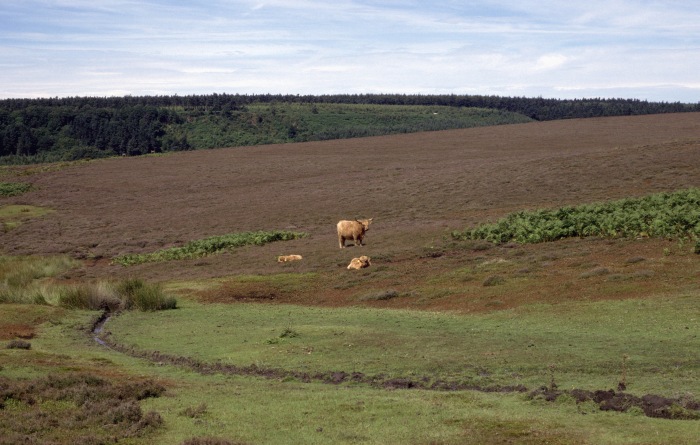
x=279 y=123
x=253 y=410
x=585 y=341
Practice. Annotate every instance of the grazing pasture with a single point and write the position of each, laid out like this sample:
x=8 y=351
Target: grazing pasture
x=446 y=338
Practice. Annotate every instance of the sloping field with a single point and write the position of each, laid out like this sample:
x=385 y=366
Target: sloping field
x=415 y=186
x=439 y=341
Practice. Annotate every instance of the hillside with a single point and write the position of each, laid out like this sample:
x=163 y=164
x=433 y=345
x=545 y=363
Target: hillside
x=416 y=186
x=60 y=129
x=576 y=341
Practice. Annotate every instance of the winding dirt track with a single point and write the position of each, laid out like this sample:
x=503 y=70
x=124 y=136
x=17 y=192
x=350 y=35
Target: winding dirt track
x=415 y=186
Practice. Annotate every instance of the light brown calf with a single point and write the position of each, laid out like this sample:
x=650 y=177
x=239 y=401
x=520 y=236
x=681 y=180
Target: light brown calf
x=285 y=258
x=359 y=263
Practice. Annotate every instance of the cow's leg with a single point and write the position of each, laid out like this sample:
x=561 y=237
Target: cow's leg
x=341 y=241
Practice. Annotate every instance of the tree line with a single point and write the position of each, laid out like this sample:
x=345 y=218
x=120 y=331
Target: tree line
x=535 y=108
x=50 y=129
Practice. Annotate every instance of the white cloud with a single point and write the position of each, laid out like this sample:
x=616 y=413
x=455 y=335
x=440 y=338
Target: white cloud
x=550 y=61
x=551 y=48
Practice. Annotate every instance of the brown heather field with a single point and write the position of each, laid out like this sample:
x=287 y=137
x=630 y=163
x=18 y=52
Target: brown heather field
x=417 y=187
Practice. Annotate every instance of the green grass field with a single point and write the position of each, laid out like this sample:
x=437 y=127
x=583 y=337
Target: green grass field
x=585 y=342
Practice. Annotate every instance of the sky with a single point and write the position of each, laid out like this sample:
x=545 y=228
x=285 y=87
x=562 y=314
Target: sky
x=645 y=49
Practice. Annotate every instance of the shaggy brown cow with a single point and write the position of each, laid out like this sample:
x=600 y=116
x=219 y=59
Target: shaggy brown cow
x=359 y=263
x=354 y=230
x=284 y=258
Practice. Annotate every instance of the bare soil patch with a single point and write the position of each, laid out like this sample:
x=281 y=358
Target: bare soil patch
x=21 y=321
x=16 y=330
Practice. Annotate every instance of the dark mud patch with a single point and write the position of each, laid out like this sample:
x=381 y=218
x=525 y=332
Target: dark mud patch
x=236 y=292
x=652 y=405
x=98 y=327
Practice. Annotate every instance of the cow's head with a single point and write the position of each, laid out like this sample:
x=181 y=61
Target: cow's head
x=365 y=223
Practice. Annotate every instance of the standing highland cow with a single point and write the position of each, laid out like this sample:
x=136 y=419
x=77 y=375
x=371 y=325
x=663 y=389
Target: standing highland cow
x=354 y=230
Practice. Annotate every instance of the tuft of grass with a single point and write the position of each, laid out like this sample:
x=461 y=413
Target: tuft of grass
x=89 y=296
x=494 y=280
x=22 y=279
x=21 y=271
x=132 y=293
x=289 y=333
x=195 y=412
x=597 y=272
x=209 y=246
x=135 y=293
x=635 y=260
x=381 y=295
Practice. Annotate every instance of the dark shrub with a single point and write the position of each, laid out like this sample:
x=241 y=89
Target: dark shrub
x=151 y=420
x=381 y=295
x=125 y=412
x=19 y=344
x=209 y=441
x=95 y=411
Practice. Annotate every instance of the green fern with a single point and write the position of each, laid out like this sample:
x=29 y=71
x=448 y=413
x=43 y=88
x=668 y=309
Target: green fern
x=208 y=246
x=665 y=215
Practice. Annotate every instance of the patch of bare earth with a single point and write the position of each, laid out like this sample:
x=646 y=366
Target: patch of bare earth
x=16 y=330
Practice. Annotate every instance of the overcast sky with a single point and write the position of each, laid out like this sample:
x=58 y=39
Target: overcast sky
x=642 y=49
